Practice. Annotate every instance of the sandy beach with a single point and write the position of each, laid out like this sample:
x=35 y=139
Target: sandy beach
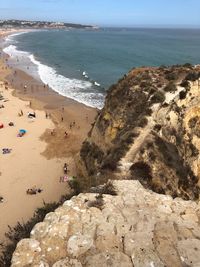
x=36 y=159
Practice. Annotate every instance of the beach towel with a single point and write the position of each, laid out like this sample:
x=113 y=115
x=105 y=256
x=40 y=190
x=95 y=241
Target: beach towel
x=65 y=178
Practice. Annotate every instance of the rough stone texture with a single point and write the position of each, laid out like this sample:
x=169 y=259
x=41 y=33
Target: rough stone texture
x=135 y=228
x=148 y=130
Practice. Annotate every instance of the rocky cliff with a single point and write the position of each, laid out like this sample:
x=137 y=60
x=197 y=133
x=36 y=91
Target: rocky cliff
x=146 y=140
x=133 y=227
x=149 y=130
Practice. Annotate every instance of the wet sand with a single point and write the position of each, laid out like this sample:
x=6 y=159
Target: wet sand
x=37 y=158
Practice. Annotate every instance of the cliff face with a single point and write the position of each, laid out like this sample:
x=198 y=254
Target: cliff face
x=136 y=228
x=149 y=130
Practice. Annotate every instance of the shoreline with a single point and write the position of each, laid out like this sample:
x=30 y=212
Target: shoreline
x=68 y=87
x=48 y=153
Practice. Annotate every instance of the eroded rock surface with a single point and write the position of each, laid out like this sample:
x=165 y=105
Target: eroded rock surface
x=134 y=228
x=148 y=130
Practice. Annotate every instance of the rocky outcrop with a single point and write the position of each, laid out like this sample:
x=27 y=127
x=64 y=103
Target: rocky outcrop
x=149 y=130
x=136 y=228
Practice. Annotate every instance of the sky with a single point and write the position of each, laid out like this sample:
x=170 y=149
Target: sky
x=161 y=13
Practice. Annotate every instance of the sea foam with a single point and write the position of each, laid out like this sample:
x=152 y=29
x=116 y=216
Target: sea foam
x=79 y=90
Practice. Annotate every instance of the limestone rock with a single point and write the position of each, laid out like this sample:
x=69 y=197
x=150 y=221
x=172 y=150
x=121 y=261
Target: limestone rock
x=117 y=259
x=136 y=227
x=67 y=263
x=79 y=244
x=146 y=257
x=30 y=248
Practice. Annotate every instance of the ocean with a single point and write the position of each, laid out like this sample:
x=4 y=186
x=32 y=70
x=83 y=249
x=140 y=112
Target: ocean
x=82 y=64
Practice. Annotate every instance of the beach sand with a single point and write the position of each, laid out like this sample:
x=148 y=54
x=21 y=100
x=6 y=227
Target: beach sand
x=37 y=158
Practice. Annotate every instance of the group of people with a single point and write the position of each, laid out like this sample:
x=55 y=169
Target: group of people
x=6 y=150
x=53 y=133
x=72 y=124
x=33 y=191
x=30 y=114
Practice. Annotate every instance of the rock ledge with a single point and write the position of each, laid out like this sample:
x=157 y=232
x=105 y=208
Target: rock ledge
x=135 y=228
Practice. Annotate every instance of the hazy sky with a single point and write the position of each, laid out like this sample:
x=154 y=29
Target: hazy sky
x=106 y=12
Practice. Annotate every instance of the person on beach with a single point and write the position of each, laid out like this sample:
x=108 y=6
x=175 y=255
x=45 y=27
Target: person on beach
x=30 y=104
x=22 y=113
x=62 y=119
x=31 y=115
x=46 y=115
x=66 y=134
x=65 y=169
x=70 y=126
x=53 y=132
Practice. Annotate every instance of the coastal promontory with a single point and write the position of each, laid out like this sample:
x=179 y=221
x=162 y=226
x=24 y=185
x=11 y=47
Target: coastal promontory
x=138 y=174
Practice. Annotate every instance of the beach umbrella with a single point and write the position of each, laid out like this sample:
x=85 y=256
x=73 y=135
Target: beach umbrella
x=22 y=131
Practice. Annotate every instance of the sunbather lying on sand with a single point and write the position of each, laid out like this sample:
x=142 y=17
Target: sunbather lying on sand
x=33 y=191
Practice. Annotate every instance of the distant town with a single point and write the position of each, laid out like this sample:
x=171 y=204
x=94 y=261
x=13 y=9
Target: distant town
x=41 y=24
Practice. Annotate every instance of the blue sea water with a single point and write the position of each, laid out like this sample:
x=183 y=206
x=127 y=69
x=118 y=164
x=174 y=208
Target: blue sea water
x=82 y=64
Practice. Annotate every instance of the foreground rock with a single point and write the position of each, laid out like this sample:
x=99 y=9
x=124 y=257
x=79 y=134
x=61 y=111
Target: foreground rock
x=134 y=228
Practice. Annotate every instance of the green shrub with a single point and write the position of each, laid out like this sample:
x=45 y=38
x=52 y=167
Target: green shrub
x=171 y=76
x=185 y=84
x=182 y=94
x=91 y=155
x=158 y=97
x=97 y=203
x=75 y=185
x=152 y=156
x=143 y=122
x=141 y=170
x=187 y=65
x=192 y=76
x=193 y=122
x=170 y=87
x=109 y=189
x=157 y=127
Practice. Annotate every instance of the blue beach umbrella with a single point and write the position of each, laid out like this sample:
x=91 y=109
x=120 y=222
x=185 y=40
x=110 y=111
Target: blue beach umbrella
x=22 y=131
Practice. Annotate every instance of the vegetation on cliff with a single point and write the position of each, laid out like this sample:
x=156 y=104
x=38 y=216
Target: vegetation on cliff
x=142 y=131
